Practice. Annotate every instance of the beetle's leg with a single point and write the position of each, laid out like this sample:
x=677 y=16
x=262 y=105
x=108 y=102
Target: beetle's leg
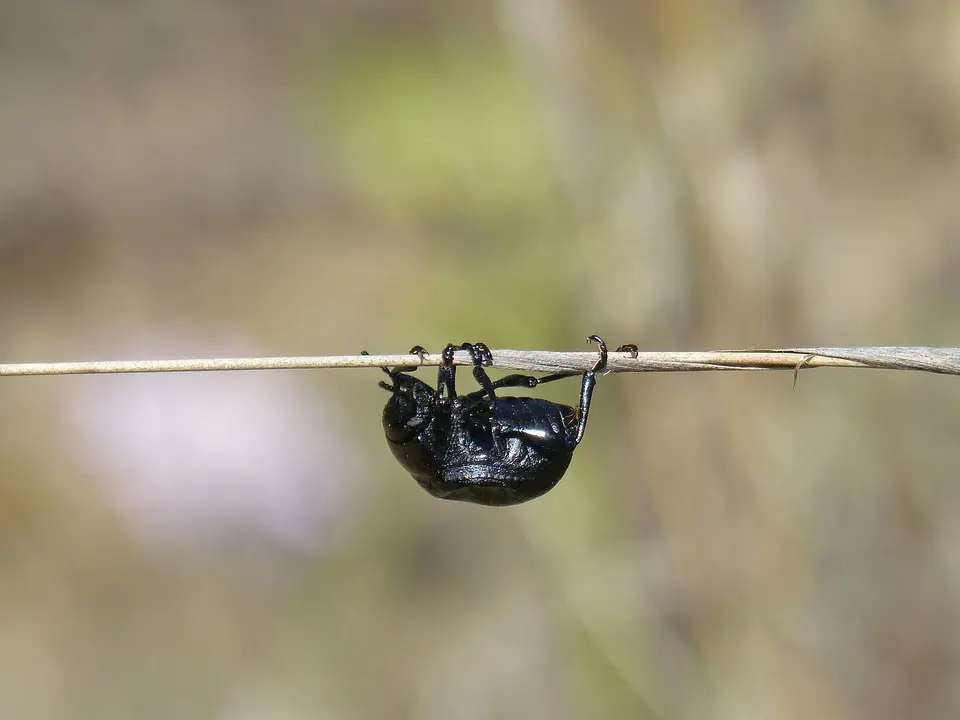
x=630 y=348
x=527 y=381
x=531 y=381
x=586 y=388
x=447 y=376
x=480 y=354
x=602 y=360
x=415 y=350
x=481 y=350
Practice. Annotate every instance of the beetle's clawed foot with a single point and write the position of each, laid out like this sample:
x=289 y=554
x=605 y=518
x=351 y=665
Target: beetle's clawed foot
x=420 y=353
x=602 y=360
x=479 y=353
x=446 y=357
x=630 y=348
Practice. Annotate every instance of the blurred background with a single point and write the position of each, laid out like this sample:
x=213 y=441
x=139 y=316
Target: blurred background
x=206 y=178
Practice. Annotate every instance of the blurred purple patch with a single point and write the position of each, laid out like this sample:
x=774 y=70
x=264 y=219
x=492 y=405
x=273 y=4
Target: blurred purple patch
x=207 y=459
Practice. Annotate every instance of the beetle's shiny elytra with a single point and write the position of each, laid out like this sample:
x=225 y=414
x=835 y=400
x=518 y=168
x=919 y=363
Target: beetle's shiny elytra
x=482 y=447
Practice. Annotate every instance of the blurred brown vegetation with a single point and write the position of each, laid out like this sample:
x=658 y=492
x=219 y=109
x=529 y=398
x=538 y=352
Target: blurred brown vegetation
x=223 y=178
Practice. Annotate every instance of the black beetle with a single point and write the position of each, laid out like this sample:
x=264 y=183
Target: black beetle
x=482 y=447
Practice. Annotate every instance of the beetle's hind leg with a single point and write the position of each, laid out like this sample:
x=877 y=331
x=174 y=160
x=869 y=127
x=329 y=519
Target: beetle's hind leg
x=586 y=388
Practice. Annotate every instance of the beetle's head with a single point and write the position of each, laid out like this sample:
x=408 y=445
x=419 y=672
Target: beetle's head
x=410 y=407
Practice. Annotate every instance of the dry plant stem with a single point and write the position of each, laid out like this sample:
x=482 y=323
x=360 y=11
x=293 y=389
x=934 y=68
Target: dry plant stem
x=923 y=359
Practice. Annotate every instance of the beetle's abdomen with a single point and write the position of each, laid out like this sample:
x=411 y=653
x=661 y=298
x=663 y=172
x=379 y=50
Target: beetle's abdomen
x=486 y=484
x=506 y=454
